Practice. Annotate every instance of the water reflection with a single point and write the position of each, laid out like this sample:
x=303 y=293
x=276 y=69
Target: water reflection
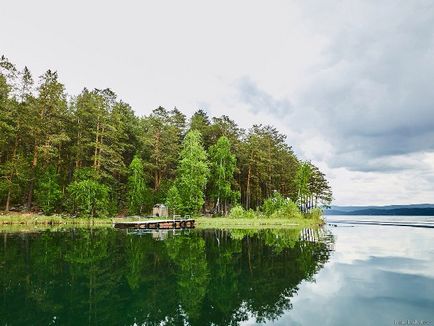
x=109 y=276
x=378 y=275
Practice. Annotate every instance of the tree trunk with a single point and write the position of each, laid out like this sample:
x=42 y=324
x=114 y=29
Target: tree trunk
x=249 y=172
x=101 y=141
x=157 y=179
x=77 y=154
x=59 y=158
x=218 y=205
x=95 y=158
x=8 y=199
x=32 y=176
x=11 y=176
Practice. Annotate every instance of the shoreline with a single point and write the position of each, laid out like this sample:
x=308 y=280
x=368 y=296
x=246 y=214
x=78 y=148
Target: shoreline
x=255 y=223
x=17 y=221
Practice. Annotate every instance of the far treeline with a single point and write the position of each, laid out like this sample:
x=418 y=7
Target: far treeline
x=90 y=155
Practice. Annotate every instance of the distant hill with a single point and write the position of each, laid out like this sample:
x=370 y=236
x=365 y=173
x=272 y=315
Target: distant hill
x=405 y=210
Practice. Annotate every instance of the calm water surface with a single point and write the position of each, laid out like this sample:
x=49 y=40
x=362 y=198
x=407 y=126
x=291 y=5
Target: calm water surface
x=351 y=274
x=377 y=275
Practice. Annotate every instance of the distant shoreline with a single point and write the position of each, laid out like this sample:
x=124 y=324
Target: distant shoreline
x=384 y=211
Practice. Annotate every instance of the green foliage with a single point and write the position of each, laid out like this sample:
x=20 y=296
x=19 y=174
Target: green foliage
x=159 y=195
x=188 y=256
x=267 y=163
x=312 y=187
x=273 y=204
x=48 y=193
x=200 y=122
x=223 y=164
x=315 y=213
x=302 y=178
x=239 y=212
x=138 y=194
x=288 y=210
x=174 y=201
x=88 y=198
x=275 y=207
x=48 y=128
x=280 y=239
x=279 y=207
x=319 y=189
x=14 y=176
x=161 y=142
x=192 y=173
x=85 y=174
x=95 y=136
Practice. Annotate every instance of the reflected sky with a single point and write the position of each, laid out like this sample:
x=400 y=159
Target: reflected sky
x=377 y=275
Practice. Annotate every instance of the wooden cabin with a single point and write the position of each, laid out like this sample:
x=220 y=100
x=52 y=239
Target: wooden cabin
x=160 y=210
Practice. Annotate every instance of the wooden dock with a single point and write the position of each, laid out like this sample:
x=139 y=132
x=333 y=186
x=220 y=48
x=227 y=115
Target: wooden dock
x=155 y=224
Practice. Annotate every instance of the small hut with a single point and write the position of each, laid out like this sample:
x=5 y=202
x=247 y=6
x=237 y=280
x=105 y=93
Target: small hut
x=160 y=210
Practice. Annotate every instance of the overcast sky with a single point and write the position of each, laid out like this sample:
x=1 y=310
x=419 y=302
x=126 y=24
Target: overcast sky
x=350 y=82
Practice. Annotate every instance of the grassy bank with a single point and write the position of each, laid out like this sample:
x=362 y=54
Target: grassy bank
x=284 y=216
x=34 y=221
x=256 y=223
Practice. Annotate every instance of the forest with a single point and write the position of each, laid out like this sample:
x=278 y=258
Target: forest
x=91 y=155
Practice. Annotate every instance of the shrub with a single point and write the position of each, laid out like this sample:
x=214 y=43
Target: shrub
x=279 y=207
x=315 y=213
x=239 y=212
x=89 y=198
x=273 y=204
x=288 y=210
x=250 y=213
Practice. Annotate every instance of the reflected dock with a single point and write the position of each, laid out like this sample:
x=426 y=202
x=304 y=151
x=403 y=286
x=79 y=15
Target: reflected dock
x=155 y=224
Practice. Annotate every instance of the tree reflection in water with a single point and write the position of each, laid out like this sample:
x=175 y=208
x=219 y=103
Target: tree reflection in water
x=106 y=276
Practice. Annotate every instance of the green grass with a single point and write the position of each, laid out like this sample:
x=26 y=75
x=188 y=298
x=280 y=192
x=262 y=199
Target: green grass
x=255 y=223
x=34 y=219
x=32 y=222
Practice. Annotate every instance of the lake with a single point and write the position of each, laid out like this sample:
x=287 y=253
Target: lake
x=348 y=274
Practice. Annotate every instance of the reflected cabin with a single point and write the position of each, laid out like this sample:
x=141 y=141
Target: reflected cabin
x=160 y=210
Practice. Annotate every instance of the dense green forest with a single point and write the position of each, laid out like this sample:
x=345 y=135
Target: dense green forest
x=90 y=155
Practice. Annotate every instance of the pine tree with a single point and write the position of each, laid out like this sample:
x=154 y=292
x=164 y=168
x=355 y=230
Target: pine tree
x=15 y=126
x=48 y=125
x=200 y=122
x=161 y=141
x=319 y=188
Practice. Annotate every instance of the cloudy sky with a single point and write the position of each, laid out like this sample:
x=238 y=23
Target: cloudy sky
x=350 y=82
